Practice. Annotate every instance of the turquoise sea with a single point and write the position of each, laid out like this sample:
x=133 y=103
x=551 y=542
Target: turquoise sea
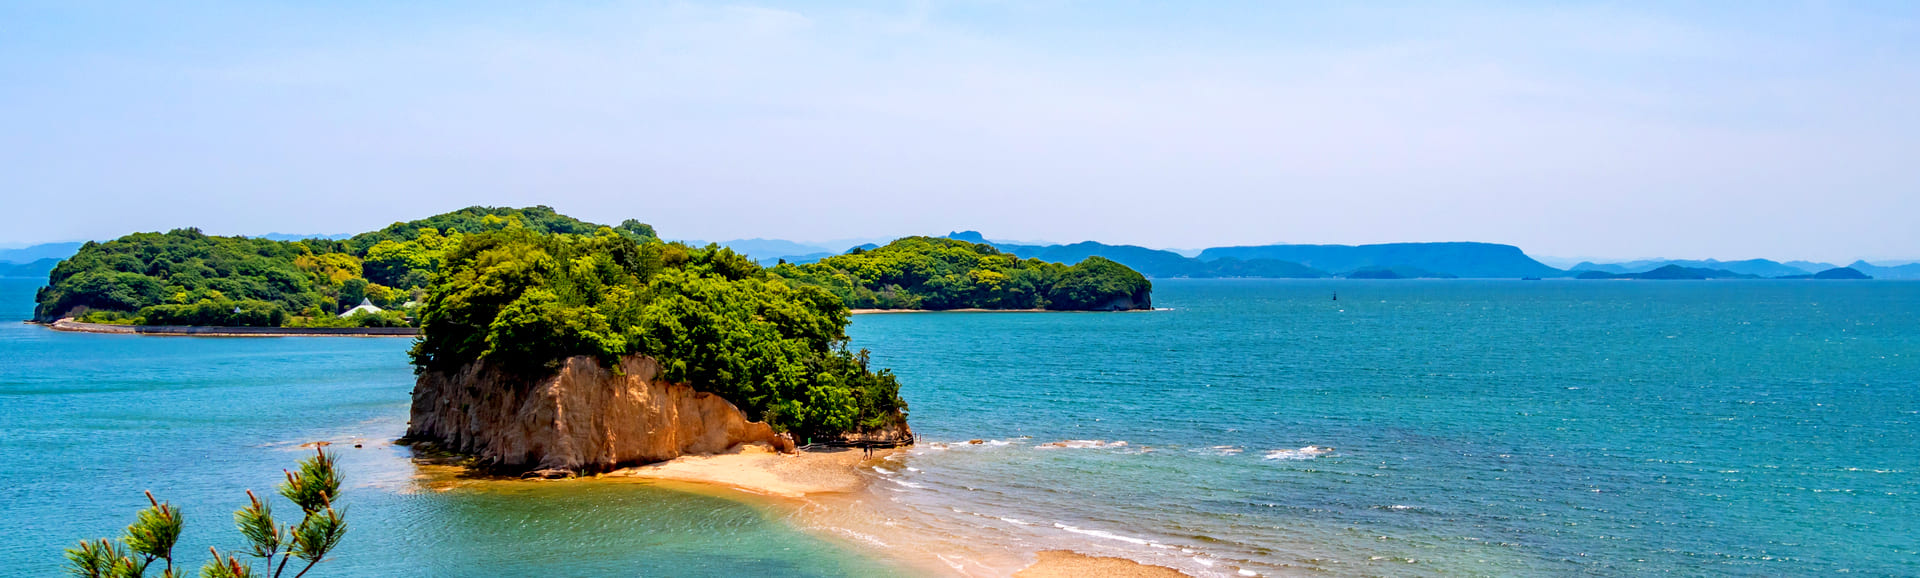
x=1409 y=428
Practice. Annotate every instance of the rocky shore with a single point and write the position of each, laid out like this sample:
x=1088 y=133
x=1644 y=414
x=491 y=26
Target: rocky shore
x=585 y=418
x=628 y=424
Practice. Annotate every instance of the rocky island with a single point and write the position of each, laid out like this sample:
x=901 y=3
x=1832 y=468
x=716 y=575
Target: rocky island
x=584 y=353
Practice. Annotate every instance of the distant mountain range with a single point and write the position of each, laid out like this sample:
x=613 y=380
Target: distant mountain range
x=38 y=268
x=1671 y=272
x=1456 y=259
x=1389 y=261
x=1382 y=261
x=1668 y=272
x=1755 y=267
x=54 y=251
x=768 y=252
x=1907 y=271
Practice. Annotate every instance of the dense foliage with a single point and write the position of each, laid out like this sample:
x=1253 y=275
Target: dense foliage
x=539 y=219
x=523 y=302
x=184 y=277
x=939 y=273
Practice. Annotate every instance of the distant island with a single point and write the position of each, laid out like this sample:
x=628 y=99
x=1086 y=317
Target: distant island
x=36 y=268
x=375 y=279
x=380 y=278
x=185 y=277
x=937 y=273
x=1677 y=272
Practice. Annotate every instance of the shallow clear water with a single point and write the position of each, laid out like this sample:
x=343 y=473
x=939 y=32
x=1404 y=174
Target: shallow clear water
x=1476 y=427
x=1480 y=427
x=90 y=421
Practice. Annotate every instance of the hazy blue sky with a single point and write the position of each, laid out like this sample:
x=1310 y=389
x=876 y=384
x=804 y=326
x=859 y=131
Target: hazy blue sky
x=1740 y=129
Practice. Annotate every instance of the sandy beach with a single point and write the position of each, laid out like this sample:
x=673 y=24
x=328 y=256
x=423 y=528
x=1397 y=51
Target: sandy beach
x=832 y=480
x=1065 y=564
x=759 y=469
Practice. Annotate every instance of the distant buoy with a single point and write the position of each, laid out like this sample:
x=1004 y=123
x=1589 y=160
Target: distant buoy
x=1336 y=295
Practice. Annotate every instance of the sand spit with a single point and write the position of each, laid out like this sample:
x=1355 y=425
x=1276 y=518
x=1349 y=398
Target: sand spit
x=760 y=469
x=1065 y=564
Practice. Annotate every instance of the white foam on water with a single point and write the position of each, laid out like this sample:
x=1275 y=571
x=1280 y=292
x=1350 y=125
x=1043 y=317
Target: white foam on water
x=1246 y=572
x=904 y=483
x=1080 y=444
x=1016 y=522
x=1306 y=453
x=1101 y=534
x=862 y=537
x=957 y=566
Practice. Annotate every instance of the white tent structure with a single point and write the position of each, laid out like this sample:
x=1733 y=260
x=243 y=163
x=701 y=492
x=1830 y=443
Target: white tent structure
x=365 y=305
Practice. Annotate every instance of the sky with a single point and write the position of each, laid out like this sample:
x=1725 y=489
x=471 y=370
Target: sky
x=1785 y=130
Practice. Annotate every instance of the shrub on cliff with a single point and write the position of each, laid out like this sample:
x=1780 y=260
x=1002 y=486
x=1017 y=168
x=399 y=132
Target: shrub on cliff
x=523 y=302
x=940 y=273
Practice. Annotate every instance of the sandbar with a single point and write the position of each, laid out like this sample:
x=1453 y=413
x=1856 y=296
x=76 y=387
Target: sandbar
x=1065 y=564
x=759 y=469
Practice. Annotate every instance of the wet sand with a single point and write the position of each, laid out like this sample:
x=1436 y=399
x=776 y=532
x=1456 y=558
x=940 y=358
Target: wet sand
x=828 y=490
x=1065 y=564
x=759 y=469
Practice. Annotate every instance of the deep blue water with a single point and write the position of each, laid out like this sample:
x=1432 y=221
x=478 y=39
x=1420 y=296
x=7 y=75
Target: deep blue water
x=1476 y=427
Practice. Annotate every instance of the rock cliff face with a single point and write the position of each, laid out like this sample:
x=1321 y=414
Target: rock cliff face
x=1127 y=303
x=584 y=418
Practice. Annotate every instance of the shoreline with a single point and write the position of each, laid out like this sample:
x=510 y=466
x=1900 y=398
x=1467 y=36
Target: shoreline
x=825 y=491
x=979 y=310
x=964 y=310
x=69 y=325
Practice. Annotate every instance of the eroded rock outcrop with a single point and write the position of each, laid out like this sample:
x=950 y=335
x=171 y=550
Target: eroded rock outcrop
x=584 y=418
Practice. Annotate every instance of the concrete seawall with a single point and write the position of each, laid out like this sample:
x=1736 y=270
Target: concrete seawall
x=204 y=331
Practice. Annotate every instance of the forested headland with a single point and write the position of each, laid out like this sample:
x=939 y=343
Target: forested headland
x=185 y=277
x=940 y=273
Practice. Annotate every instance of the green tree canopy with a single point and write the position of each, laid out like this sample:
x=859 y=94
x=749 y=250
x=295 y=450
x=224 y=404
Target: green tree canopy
x=525 y=301
x=941 y=273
